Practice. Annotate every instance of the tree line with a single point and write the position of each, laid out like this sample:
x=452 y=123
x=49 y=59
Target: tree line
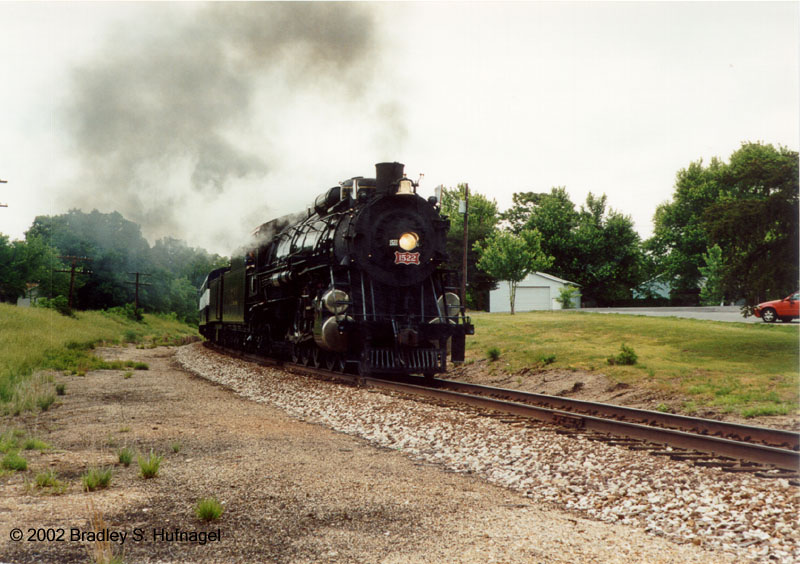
x=729 y=234
x=115 y=248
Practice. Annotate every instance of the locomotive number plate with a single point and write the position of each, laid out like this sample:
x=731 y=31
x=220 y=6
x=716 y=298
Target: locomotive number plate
x=406 y=258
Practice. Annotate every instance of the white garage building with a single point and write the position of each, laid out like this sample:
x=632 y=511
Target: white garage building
x=535 y=292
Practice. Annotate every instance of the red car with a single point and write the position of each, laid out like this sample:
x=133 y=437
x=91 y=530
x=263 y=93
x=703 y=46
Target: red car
x=786 y=309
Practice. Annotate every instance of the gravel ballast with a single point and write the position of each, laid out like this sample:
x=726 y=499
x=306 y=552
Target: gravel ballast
x=748 y=518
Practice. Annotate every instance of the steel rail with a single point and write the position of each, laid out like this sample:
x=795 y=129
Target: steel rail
x=745 y=433
x=761 y=454
x=781 y=458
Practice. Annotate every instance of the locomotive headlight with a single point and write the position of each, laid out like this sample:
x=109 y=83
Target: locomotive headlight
x=408 y=241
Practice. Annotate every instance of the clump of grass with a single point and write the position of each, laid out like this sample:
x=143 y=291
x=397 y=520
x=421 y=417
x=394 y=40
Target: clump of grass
x=125 y=456
x=35 y=444
x=46 y=479
x=61 y=389
x=50 y=480
x=176 y=447
x=13 y=461
x=208 y=509
x=44 y=402
x=547 y=359
x=148 y=467
x=627 y=356
x=493 y=353
x=130 y=336
x=96 y=478
x=127 y=375
x=140 y=366
x=762 y=410
x=663 y=408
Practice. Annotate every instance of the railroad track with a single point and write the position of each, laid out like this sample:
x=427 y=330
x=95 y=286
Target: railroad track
x=768 y=453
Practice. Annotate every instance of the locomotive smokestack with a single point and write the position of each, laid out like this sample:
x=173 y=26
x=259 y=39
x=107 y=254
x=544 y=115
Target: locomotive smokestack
x=387 y=174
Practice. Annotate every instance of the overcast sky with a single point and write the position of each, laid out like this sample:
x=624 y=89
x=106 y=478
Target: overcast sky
x=202 y=121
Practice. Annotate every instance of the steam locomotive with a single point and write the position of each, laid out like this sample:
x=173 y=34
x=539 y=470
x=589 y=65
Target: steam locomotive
x=355 y=283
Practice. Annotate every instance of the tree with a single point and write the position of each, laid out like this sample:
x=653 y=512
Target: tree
x=749 y=208
x=117 y=248
x=756 y=222
x=483 y=218
x=712 y=291
x=511 y=257
x=679 y=239
x=594 y=247
x=31 y=261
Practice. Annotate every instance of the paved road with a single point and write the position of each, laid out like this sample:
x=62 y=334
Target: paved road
x=714 y=313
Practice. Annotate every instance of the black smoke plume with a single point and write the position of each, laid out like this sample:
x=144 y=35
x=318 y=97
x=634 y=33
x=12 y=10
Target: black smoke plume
x=163 y=115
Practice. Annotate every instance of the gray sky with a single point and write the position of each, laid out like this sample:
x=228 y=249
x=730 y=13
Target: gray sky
x=202 y=121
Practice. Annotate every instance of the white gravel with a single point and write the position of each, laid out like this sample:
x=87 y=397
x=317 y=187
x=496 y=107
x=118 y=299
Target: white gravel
x=754 y=519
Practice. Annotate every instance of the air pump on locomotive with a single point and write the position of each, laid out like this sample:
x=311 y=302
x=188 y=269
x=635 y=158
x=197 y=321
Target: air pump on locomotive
x=355 y=283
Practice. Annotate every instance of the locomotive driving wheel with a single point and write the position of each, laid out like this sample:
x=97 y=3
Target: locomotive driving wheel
x=334 y=361
x=305 y=354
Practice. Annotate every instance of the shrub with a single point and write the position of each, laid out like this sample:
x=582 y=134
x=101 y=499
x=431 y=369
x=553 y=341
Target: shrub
x=493 y=353
x=96 y=478
x=125 y=456
x=59 y=303
x=625 y=358
x=208 y=509
x=61 y=389
x=148 y=467
x=13 y=461
x=566 y=295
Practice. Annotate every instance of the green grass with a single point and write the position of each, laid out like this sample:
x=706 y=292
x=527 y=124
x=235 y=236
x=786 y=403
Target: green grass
x=49 y=479
x=96 y=478
x=744 y=368
x=148 y=467
x=35 y=444
x=13 y=461
x=33 y=339
x=208 y=509
x=125 y=456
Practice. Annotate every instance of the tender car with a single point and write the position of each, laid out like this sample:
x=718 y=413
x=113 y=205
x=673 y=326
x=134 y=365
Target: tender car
x=786 y=309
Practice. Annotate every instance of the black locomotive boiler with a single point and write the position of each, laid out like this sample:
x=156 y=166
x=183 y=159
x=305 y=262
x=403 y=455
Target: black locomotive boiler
x=355 y=283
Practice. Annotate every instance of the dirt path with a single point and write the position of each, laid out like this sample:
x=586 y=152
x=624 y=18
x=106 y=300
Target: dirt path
x=293 y=492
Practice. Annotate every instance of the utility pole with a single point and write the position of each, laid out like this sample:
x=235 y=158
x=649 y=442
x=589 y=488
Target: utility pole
x=3 y=182
x=464 y=261
x=74 y=264
x=137 y=283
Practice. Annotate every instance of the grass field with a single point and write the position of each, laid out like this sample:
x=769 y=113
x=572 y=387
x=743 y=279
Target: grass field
x=748 y=369
x=35 y=338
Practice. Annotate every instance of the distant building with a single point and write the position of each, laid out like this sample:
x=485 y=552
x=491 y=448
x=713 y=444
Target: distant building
x=537 y=291
x=31 y=295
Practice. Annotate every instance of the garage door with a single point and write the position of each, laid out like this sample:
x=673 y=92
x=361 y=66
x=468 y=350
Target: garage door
x=530 y=298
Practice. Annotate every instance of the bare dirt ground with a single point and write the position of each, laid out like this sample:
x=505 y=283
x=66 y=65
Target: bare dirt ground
x=292 y=491
x=595 y=386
